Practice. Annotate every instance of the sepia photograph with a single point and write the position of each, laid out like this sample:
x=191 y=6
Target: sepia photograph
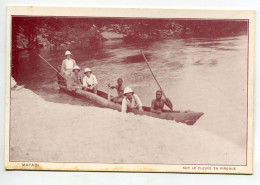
x=113 y=90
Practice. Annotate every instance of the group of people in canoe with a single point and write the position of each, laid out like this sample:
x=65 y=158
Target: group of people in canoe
x=69 y=75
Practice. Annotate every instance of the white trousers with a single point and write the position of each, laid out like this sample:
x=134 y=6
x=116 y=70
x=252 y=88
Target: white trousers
x=67 y=73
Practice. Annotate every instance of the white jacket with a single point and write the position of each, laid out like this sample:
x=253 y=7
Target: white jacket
x=92 y=80
x=68 y=64
x=134 y=104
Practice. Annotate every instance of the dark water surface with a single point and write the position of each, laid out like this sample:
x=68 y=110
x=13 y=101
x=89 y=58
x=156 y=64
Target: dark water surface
x=198 y=74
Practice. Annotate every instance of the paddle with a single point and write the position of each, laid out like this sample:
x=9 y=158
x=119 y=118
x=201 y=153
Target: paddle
x=167 y=101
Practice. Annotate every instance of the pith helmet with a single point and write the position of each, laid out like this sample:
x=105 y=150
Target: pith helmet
x=128 y=90
x=87 y=70
x=76 y=68
x=68 y=53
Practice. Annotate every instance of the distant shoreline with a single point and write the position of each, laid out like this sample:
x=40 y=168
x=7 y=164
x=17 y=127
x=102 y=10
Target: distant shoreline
x=50 y=32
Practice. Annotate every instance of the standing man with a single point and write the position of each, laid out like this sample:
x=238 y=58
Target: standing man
x=90 y=81
x=67 y=64
x=131 y=101
x=158 y=103
x=120 y=91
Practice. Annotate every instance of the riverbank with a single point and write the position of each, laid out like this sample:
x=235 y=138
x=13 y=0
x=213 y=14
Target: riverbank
x=55 y=132
x=70 y=33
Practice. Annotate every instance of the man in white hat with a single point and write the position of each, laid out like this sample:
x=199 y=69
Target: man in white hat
x=68 y=64
x=74 y=80
x=131 y=101
x=89 y=81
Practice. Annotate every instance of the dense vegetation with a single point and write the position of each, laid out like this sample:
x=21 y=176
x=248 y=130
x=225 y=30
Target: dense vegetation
x=60 y=32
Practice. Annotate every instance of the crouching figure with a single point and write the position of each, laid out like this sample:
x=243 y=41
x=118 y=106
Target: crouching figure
x=131 y=101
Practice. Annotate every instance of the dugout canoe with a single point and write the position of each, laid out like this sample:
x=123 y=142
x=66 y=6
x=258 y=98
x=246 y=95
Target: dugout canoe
x=101 y=100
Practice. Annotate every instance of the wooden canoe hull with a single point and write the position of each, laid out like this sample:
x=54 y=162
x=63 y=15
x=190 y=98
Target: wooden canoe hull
x=188 y=117
x=99 y=100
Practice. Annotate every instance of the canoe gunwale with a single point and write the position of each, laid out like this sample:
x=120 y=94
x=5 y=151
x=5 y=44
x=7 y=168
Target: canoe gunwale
x=187 y=117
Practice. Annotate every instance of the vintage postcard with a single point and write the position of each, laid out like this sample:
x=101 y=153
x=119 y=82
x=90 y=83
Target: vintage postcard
x=145 y=90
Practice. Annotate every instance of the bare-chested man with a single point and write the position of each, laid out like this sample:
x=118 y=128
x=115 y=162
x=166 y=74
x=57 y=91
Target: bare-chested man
x=158 y=103
x=120 y=91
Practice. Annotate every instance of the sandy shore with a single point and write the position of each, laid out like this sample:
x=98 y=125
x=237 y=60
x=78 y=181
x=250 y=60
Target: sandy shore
x=51 y=132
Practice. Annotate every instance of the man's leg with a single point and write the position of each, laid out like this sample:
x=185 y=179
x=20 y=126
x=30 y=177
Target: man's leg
x=95 y=89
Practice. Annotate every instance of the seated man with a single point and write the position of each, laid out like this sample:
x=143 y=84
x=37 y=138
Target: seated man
x=120 y=91
x=131 y=101
x=74 y=79
x=90 y=81
x=158 y=103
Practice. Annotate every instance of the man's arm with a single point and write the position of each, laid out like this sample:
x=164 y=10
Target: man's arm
x=111 y=86
x=168 y=103
x=95 y=80
x=138 y=101
x=63 y=66
x=74 y=63
x=84 y=82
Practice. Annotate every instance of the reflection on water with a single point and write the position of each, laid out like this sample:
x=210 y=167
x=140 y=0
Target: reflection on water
x=207 y=75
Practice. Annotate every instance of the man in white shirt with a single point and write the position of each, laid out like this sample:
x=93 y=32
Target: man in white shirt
x=67 y=64
x=89 y=81
x=131 y=101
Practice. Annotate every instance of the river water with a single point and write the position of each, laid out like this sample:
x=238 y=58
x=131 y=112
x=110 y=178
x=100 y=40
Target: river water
x=198 y=74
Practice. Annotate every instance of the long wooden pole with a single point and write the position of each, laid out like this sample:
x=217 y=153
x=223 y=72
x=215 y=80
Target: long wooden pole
x=146 y=61
x=51 y=66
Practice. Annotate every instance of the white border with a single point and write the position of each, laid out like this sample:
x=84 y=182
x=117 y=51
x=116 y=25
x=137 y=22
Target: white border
x=92 y=178
x=151 y=13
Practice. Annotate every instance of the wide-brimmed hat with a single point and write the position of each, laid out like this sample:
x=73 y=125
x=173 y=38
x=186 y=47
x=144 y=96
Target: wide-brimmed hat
x=76 y=68
x=128 y=90
x=68 y=53
x=87 y=70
